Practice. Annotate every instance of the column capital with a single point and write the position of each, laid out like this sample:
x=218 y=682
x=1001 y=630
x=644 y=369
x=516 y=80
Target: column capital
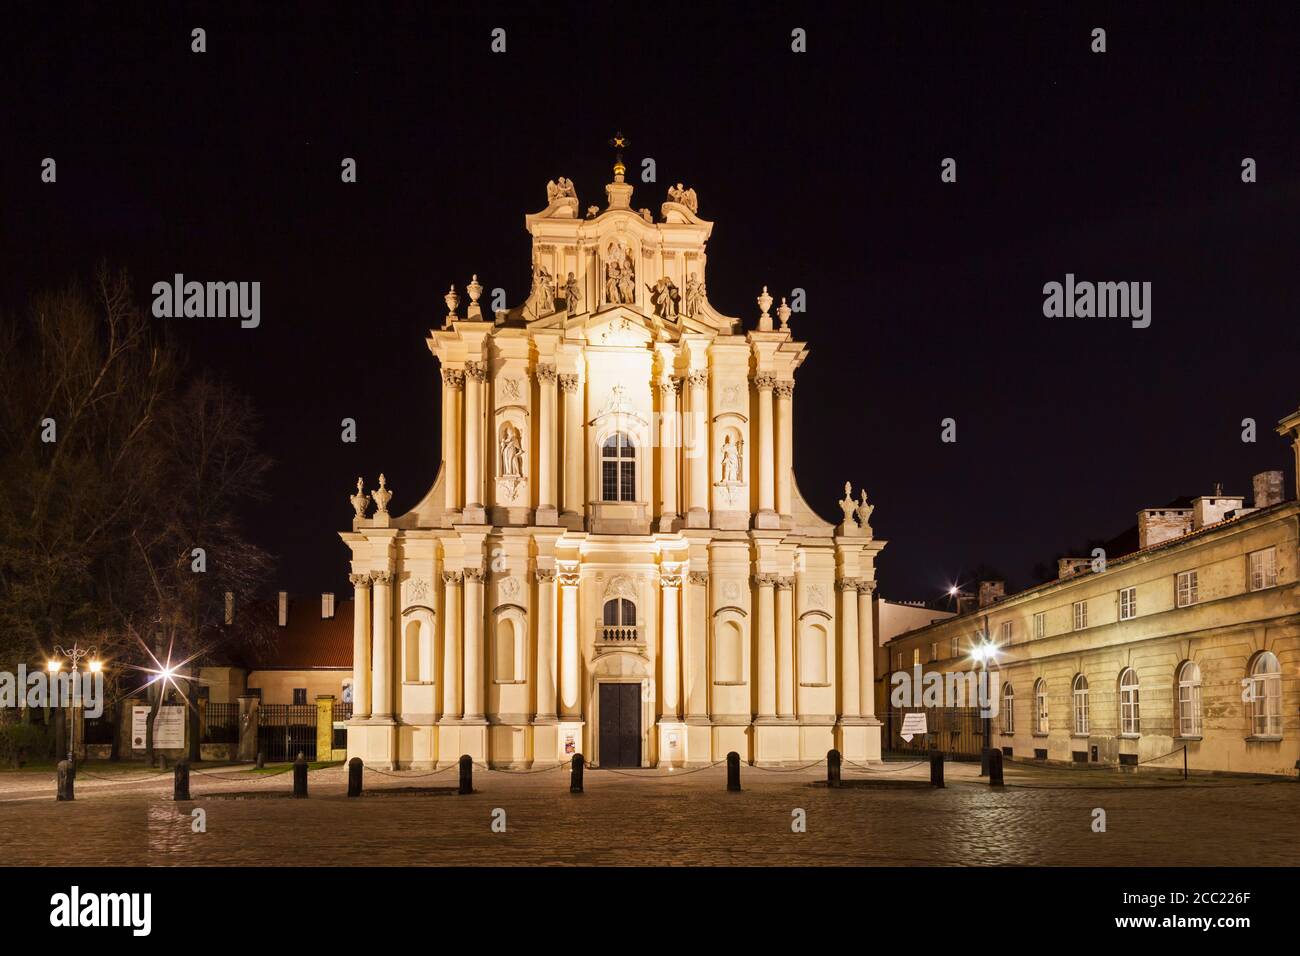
x=670 y=575
x=545 y=374
x=568 y=383
x=766 y=580
x=783 y=583
x=476 y=371
x=764 y=381
x=473 y=575
x=453 y=378
x=699 y=577
x=452 y=578
x=544 y=575
x=784 y=389
x=669 y=385
x=846 y=584
x=866 y=587
x=382 y=578
x=361 y=580
x=697 y=377
x=568 y=573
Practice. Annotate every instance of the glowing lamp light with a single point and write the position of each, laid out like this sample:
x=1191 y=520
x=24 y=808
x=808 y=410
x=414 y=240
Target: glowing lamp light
x=96 y=667
x=53 y=666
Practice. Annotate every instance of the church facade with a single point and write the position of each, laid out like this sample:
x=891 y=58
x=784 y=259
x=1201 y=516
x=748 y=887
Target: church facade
x=615 y=558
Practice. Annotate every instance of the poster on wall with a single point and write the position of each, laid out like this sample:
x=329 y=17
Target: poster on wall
x=139 y=727
x=169 y=728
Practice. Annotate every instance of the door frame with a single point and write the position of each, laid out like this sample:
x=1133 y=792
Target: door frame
x=645 y=723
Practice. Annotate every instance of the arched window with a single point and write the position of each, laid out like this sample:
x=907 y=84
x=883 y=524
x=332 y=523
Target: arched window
x=812 y=654
x=619 y=623
x=1040 y=704
x=1189 y=700
x=1266 y=696
x=618 y=468
x=1008 y=709
x=1130 y=716
x=1081 y=705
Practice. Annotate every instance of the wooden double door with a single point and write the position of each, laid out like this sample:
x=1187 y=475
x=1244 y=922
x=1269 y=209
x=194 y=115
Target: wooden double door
x=620 y=725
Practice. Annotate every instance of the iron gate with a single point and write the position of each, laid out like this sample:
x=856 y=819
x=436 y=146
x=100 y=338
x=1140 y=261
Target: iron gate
x=957 y=732
x=286 y=730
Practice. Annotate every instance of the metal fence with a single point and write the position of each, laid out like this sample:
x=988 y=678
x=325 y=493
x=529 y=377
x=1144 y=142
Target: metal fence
x=957 y=732
x=285 y=730
x=221 y=724
x=99 y=730
x=342 y=714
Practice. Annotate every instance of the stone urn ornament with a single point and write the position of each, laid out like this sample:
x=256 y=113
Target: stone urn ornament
x=475 y=290
x=863 y=512
x=846 y=504
x=765 y=303
x=361 y=500
x=382 y=496
x=783 y=313
x=452 y=300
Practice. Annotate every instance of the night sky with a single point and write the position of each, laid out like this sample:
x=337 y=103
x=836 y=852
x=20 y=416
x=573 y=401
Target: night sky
x=820 y=170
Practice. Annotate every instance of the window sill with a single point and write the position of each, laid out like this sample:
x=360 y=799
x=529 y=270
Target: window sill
x=500 y=682
x=1079 y=736
x=802 y=684
x=1194 y=737
x=1263 y=738
x=1039 y=733
x=1130 y=736
x=728 y=683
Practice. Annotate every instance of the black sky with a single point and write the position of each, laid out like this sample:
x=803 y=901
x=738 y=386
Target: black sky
x=820 y=170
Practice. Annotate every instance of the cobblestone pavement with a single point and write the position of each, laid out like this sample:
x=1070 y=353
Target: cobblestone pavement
x=1042 y=817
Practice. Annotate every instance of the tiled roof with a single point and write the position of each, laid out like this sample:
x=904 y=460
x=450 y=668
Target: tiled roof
x=306 y=642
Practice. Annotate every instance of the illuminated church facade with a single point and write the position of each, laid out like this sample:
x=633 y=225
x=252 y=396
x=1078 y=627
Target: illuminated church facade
x=614 y=558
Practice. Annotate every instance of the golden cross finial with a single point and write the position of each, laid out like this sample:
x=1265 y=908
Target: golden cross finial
x=619 y=142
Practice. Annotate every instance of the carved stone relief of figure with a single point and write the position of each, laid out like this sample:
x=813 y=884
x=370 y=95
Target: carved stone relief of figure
x=512 y=453
x=663 y=295
x=694 y=295
x=572 y=294
x=620 y=274
x=543 y=290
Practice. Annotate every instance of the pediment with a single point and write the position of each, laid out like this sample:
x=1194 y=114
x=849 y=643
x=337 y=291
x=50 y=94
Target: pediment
x=621 y=325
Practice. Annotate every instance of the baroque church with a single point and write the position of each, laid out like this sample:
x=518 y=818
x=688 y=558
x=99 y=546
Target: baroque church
x=614 y=558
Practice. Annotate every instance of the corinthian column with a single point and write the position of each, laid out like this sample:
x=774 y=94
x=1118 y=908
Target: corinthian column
x=694 y=640
x=546 y=511
x=765 y=382
x=765 y=668
x=697 y=452
x=866 y=650
x=451 y=632
x=453 y=384
x=473 y=644
x=784 y=647
x=570 y=701
x=784 y=445
x=360 y=645
x=574 y=457
x=670 y=440
x=546 y=647
x=475 y=376
x=382 y=654
x=670 y=583
x=850 y=675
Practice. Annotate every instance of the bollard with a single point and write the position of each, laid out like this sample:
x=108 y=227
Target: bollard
x=832 y=768
x=575 y=779
x=995 y=767
x=300 y=776
x=733 y=771
x=181 y=781
x=261 y=761
x=936 y=768
x=354 y=777
x=67 y=774
x=466 y=774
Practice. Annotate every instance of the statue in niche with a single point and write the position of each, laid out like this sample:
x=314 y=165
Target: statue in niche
x=512 y=453
x=620 y=274
x=730 y=461
x=694 y=295
x=572 y=294
x=663 y=295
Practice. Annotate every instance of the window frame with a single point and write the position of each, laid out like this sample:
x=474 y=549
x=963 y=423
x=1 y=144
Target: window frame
x=1187 y=583
x=1266 y=697
x=1042 y=720
x=1130 y=605
x=1267 y=576
x=623 y=462
x=1187 y=701
x=1040 y=624
x=1080 y=615
x=1082 y=714
x=1008 y=708
x=1006 y=633
x=1130 y=703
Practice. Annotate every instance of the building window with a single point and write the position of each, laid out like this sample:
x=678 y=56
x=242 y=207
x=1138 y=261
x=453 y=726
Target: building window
x=619 y=622
x=1006 y=633
x=618 y=468
x=1128 y=604
x=1189 y=700
x=1081 y=705
x=916 y=656
x=898 y=661
x=1040 y=624
x=1265 y=693
x=1008 y=709
x=934 y=651
x=953 y=647
x=1263 y=569
x=1080 y=615
x=1040 y=704
x=1130 y=717
x=300 y=695
x=1186 y=588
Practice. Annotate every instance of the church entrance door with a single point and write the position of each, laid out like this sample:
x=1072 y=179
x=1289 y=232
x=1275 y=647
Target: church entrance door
x=620 y=725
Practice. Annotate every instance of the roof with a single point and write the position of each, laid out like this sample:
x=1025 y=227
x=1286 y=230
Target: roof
x=306 y=642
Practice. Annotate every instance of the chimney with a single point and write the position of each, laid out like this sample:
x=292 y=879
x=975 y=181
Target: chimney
x=1065 y=567
x=991 y=591
x=1267 y=487
x=326 y=605
x=1211 y=509
x=230 y=607
x=966 y=603
x=1157 y=525
x=284 y=608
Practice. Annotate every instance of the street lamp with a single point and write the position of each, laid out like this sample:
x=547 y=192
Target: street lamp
x=982 y=653
x=74 y=656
